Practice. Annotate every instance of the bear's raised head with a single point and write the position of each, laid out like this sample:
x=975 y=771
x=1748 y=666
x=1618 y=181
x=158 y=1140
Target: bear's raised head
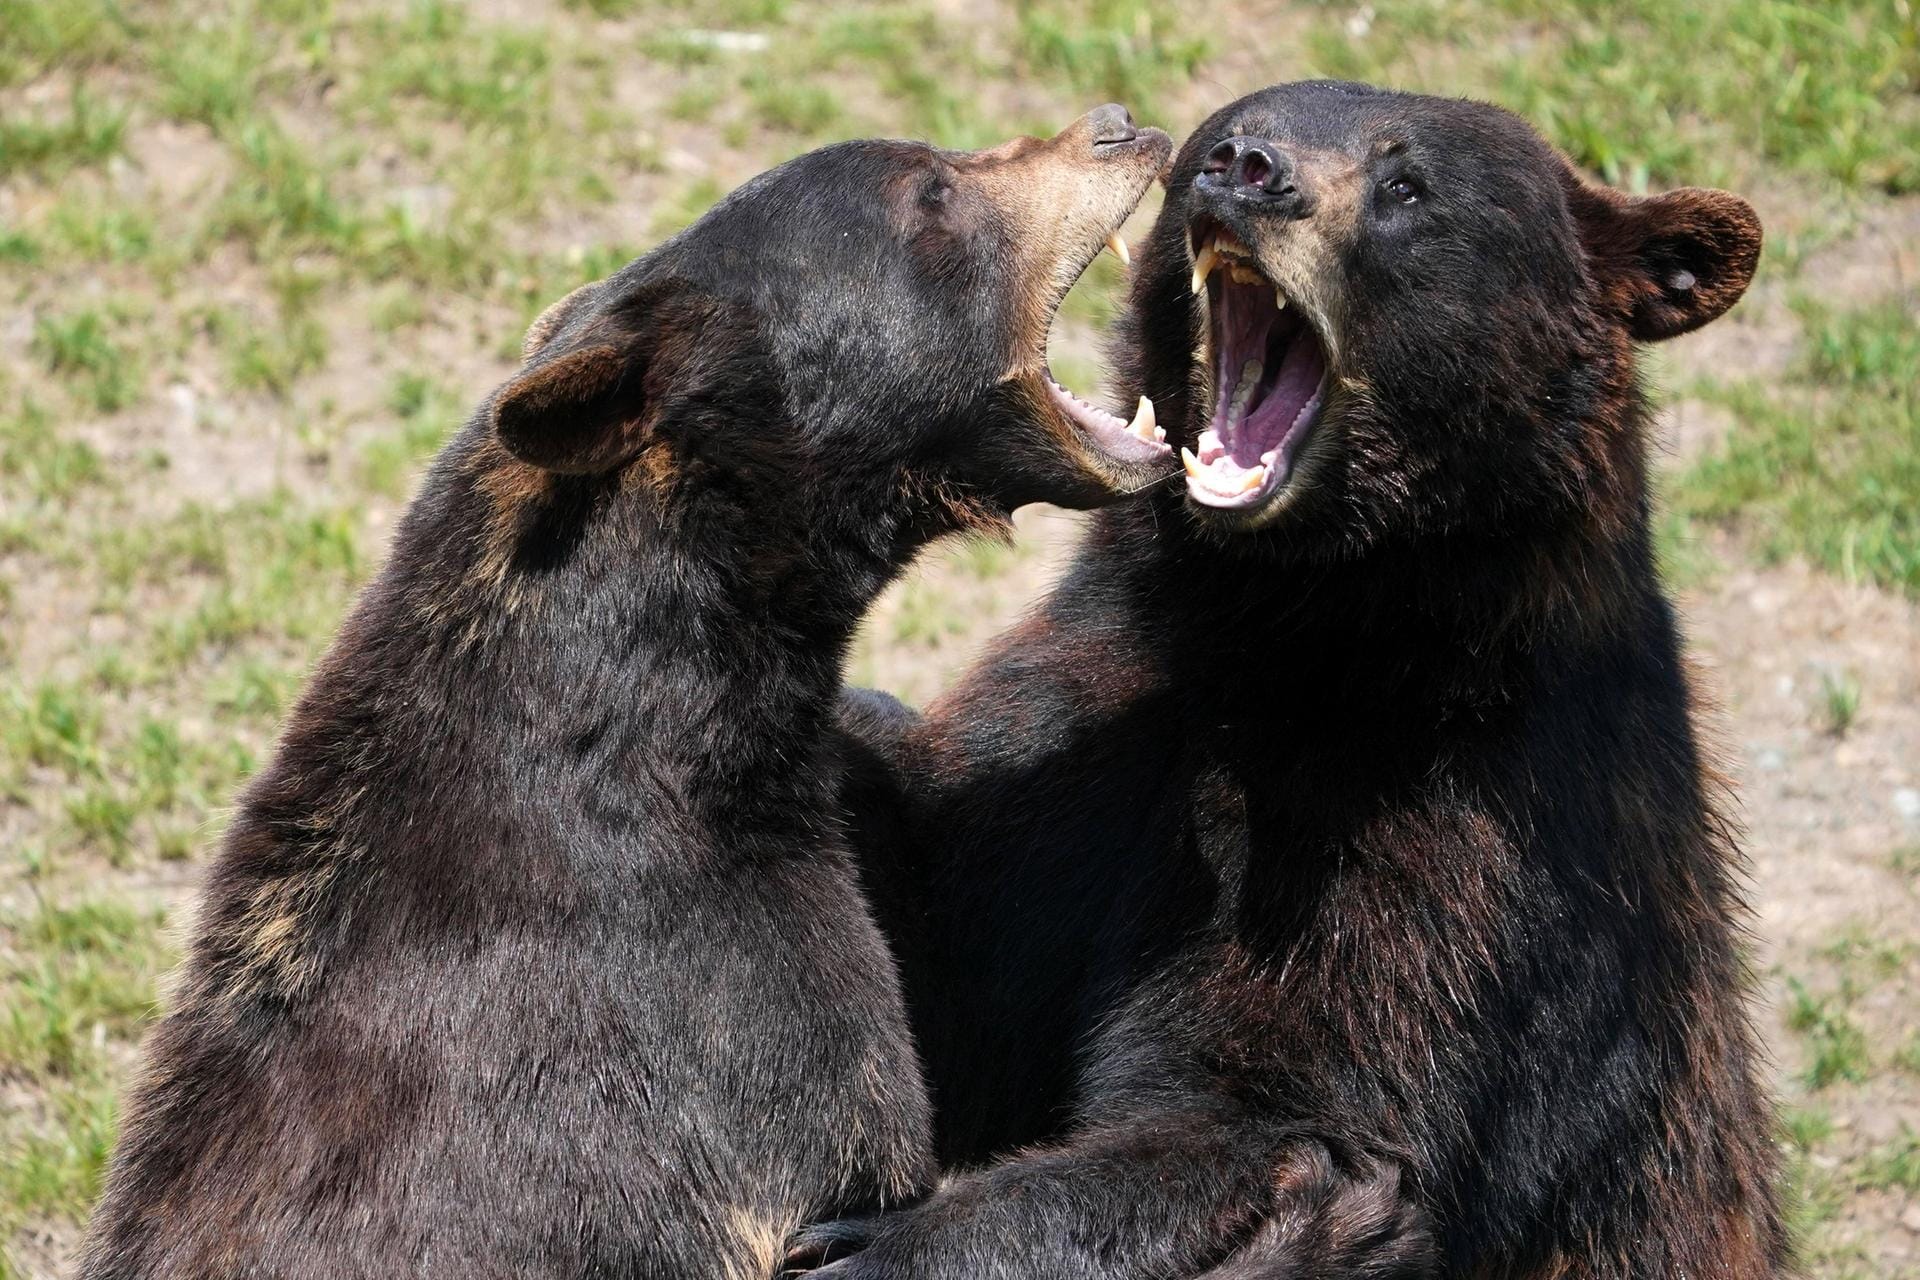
x=873 y=309
x=1384 y=315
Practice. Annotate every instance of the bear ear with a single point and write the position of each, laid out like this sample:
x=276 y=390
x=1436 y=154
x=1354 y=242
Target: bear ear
x=1667 y=263
x=591 y=396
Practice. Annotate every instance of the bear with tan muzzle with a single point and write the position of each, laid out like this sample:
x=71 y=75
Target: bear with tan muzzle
x=537 y=950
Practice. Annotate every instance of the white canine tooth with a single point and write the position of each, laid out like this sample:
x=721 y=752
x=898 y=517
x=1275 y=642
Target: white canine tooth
x=1279 y=299
x=1253 y=478
x=1119 y=247
x=1143 y=424
x=1203 y=265
x=1191 y=463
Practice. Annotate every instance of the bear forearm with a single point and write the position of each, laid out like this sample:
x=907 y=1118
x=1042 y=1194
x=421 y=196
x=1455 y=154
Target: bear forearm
x=1172 y=1194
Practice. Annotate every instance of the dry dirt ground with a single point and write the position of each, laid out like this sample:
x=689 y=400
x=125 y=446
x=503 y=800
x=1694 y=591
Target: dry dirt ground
x=1829 y=802
x=1831 y=815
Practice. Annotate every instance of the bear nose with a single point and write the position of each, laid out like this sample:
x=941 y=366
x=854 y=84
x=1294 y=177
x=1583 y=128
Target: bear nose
x=1254 y=166
x=1111 y=125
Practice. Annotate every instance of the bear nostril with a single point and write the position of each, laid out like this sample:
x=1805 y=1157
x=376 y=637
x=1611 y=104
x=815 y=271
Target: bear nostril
x=1256 y=170
x=1112 y=124
x=1221 y=158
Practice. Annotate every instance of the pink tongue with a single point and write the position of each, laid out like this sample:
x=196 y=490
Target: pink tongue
x=1300 y=372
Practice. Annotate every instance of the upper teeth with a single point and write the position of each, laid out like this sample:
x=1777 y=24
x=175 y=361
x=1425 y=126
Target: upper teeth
x=1119 y=246
x=1224 y=248
x=1203 y=264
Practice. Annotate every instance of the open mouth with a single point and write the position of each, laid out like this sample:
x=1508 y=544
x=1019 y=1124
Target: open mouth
x=1270 y=376
x=1133 y=442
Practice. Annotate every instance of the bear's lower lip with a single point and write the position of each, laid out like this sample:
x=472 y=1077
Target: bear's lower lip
x=1270 y=377
x=1139 y=440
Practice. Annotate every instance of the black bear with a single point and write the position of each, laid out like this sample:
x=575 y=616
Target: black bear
x=1328 y=878
x=537 y=950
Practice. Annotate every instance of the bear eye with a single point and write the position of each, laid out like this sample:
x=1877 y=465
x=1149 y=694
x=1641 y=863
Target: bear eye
x=1403 y=189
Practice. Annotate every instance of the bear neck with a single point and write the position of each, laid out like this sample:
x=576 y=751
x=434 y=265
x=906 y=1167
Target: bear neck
x=620 y=642
x=1444 y=620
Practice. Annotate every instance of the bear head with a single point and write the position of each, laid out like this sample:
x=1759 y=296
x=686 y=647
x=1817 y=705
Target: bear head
x=866 y=320
x=1372 y=315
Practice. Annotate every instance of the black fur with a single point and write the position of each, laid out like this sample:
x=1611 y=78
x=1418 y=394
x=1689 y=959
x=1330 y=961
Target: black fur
x=537 y=949
x=1349 y=896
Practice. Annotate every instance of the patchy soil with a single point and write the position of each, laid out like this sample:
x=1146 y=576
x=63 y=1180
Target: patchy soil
x=1832 y=826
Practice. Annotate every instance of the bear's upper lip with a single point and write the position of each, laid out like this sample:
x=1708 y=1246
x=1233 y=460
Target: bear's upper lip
x=1271 y=375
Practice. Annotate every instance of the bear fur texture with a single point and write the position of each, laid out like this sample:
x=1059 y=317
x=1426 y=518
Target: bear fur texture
x=1329 y=879
x=537 y=951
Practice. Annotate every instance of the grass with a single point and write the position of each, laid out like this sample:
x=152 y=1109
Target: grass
x=1621 y=85
x=806 y=109
x=91 y=229
x=1828 y=465
x=77 y=978
x=271 y=354
x=1806 y=1127
x=17 y=246
x=87 y=132
x=37 y=36
x=921 y=66
x=1839 y=702
x=50 y=726
x=986 y=559
x=213 y=71
x=924 y=619
x=79 y=347
x=678 y=212
x=1864 y=959
x=427 y=414
x=1836 y=1046
x=1110 y=50
x=1895 y=1166
x=431 y=54
x=282 y=201
x=39 y=460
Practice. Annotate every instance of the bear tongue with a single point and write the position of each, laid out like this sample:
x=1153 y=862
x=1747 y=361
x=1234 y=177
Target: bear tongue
x=1293 y=388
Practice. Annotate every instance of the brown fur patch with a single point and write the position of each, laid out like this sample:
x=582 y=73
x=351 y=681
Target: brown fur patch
x=654 y=468
x=548 y=321
x=269 y=942
x=1666 y=264
x=758 y=1241
x=510 y=487
x=561 y=416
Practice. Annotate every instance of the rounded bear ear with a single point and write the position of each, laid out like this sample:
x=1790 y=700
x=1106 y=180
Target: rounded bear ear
x=575 y=413
x=591 y=396
x=1667 y=263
